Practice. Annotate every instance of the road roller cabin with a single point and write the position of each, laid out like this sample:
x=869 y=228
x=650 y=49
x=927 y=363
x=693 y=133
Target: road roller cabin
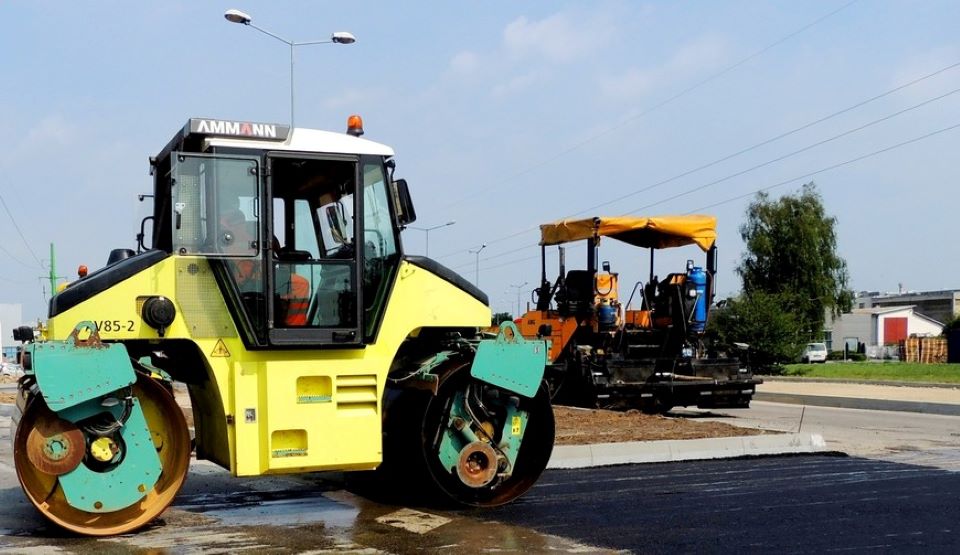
x=273 y=284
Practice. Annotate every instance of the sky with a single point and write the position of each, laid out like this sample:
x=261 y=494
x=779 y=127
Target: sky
x=504 y=115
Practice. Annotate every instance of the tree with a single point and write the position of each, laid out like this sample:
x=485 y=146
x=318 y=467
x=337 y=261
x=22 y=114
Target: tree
x=950 y=325
x=759 y=320
x=792 y=253
x=501 y=317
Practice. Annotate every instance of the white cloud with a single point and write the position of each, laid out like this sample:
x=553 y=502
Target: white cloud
x=702 y=56
x=560 y=38
x=705 y=52
x=465 y=63
x=631 y=83
x=350 y=99
x=50 y=133
x=529 y=47
x=515 y=84
x=925 y=64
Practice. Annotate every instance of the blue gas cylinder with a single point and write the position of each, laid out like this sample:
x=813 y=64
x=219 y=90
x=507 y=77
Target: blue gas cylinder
x=698 y=278
x=606 y=316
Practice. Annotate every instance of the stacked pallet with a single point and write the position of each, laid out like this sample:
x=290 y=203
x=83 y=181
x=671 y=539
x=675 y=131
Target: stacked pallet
x=925 y=350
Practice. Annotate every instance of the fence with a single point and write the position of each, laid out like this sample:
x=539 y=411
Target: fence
x=925 y=350
x=884 y=352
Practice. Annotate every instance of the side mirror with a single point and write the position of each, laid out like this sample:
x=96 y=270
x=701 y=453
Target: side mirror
x=406 y=213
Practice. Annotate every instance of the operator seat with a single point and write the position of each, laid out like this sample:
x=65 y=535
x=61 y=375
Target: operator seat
x=293 y=291
x=579 y=294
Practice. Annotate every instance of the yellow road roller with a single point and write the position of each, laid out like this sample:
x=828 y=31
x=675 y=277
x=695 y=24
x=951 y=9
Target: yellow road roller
x=271 y=281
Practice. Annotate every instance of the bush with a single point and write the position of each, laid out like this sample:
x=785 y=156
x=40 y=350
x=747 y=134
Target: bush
x=770 y=370
x=759 y=320
x=852 y=357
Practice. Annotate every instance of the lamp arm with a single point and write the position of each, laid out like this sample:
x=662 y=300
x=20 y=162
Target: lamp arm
x=309 y=42
x=265 y=32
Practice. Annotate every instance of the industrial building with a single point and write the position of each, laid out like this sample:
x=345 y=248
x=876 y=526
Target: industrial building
x=941 y=306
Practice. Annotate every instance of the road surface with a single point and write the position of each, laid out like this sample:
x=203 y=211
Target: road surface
x=783 y=504
x=927 y=439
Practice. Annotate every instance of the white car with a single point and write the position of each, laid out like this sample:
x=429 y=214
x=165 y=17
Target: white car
x=814 y=352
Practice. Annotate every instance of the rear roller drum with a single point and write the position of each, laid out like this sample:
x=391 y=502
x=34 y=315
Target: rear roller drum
x=474 y=469
x=46 y=446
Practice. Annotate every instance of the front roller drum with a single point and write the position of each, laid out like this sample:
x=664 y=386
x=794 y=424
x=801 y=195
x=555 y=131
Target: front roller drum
x=45 y=446
x=474 y=480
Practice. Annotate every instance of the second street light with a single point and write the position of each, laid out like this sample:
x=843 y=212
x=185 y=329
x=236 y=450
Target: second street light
x=427 y=230
x=519 y=288
x=476 y=279
x=342 y=37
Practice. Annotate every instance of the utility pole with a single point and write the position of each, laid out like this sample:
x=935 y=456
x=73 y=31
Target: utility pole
x=519 y=288
x=53 y=272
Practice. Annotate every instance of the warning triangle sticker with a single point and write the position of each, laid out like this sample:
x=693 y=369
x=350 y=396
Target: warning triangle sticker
x=220 y=350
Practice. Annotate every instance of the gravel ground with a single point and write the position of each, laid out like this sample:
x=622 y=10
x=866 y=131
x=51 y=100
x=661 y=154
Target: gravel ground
x=577 y=426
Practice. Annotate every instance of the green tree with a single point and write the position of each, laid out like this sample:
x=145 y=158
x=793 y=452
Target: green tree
x=792 y=253
x=759 y=320
x=500 y=317
x=952 y=324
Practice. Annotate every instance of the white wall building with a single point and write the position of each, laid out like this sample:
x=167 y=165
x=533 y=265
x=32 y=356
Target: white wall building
x=878 y=327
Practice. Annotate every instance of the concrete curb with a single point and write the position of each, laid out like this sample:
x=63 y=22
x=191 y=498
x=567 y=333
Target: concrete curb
x=892 y=383
x=859 y=403
x=605 y=454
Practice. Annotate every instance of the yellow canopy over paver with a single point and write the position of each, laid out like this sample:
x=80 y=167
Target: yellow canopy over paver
x=657 y=232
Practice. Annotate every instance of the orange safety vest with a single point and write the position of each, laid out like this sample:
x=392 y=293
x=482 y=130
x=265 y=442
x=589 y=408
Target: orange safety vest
x=298 y=300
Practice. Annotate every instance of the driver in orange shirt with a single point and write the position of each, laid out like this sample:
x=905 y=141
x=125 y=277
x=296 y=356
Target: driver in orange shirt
x=293 y=291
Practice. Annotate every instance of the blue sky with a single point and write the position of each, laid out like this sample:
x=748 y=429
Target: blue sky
x=503 y=115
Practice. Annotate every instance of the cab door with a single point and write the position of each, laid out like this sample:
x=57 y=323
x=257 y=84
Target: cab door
x=314 y=264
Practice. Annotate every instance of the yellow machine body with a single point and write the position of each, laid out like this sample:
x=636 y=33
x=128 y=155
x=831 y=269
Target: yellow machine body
x=283 y=410
x=275 y=288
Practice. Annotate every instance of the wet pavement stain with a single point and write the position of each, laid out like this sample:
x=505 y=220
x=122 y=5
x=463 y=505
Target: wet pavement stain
x=413 y=521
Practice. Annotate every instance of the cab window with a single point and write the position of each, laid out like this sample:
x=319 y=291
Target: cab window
x=215 y=206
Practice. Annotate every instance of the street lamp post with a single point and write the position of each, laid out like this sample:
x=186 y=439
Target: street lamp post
x=427 y=230
x=476 y=278
x=342 y=37
x=519 y=288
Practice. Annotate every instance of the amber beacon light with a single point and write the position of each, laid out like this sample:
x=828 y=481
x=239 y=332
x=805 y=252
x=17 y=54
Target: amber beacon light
x=355 y=125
